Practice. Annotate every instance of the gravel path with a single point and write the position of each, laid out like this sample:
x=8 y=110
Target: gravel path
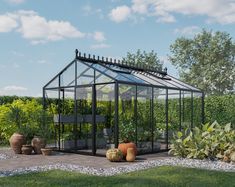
x=189 y=163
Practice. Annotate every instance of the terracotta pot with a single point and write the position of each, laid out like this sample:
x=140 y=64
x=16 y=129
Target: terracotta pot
x=130 y=157
x=27 y=149
x=46 y=151
x=124 y=146
x=37 y=144
x=16 y=142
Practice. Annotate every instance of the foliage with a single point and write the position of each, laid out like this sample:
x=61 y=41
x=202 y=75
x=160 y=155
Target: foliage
x=43 y=120
x=165 y=176
x=144 y=59
x=127 y=132
x=10 y=99
x=220 y=108
x=212 y=141
x=206 y=61
x=23 y=116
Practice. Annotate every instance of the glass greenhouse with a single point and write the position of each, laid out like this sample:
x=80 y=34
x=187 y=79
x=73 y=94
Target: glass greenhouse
x=99 y=102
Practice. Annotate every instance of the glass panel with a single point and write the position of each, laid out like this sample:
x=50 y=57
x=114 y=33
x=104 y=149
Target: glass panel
x=186 y=109
x=84 y=121
x=54 y=83
x=148 y=79
x=51 y=103
x=112 y=74
x=52 y=99
x=161 y=81
x=105 y=117
x=126 y=115
x=68 y=134
x=197 y=109
x=182 y=83
x=176 y=84
x=68 y=76
x=101 y=78
x=144 y=126
x=85 y=74
x=173 y=113
x=159 y=133
x=116 y=68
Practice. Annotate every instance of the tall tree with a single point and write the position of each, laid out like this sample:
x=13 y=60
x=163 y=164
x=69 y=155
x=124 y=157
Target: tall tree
x=143 y=58
x=206 y=61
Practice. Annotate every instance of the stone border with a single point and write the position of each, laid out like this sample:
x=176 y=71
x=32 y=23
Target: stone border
x=189 y=163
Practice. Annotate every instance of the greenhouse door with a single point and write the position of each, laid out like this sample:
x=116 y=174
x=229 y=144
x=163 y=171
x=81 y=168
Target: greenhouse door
x=85 y=124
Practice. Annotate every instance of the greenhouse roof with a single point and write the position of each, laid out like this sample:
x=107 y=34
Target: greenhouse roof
x=85 y=70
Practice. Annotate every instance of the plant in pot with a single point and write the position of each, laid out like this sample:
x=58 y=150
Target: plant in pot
x=16 y=116
x=28 y=133
x=127 y=136
x=43 y=132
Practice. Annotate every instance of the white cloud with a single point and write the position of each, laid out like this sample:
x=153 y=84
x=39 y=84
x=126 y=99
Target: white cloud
x=89 y=10
x=14 y=88
x=191 y=30
x=7 y=23
x=16 y=1
x=38 y=29
x=18 y=54
x=100 y=46
x=16 y=66
x=41 y=61
x=120 y=13
x=221 y=11
x=99 y=36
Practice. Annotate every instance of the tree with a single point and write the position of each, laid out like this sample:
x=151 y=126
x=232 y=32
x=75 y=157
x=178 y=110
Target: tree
x=144 y=59
x=206 y=61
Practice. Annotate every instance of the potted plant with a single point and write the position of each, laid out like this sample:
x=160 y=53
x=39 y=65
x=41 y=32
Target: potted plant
x=127 y=136
x=28 y=133
x=43 y=132
x=17 y=139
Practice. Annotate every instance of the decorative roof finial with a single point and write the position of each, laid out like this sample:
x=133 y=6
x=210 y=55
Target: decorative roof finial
x=76 y=53
x=165 y=69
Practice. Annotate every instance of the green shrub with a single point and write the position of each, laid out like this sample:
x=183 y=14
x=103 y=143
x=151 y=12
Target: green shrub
x=220 y=108
x=24 y=117
x=212 y=141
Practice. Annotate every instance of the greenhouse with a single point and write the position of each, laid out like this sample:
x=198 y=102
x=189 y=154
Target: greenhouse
x=99 y=102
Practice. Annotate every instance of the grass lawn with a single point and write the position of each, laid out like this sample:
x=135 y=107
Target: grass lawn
x=161 y=176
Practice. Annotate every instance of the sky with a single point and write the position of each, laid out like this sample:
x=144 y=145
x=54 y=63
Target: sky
x=38 y=38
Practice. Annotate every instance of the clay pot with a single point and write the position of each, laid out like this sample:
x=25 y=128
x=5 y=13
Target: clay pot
x=46 y=151
x=27 y=149
x=16 y=142
x=124 y=146
x=37 y=144
x=130 y=157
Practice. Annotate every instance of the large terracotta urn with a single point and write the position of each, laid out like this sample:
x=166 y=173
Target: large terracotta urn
x=16 y=142
x=130 y=157
x=124 y=146
x=38 y=143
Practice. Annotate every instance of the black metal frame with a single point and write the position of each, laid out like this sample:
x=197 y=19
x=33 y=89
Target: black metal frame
x=146 y=71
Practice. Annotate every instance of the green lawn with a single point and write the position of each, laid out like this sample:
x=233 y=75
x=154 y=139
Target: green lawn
x=161 y=176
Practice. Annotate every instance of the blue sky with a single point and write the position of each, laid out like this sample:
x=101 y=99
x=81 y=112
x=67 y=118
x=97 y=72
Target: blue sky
x=38 y=38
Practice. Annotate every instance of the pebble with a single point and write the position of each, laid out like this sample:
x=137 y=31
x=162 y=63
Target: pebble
x=189 y=163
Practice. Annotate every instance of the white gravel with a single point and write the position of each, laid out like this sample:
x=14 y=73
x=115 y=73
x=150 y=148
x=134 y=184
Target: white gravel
x=4 y=156
x=189 y=163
